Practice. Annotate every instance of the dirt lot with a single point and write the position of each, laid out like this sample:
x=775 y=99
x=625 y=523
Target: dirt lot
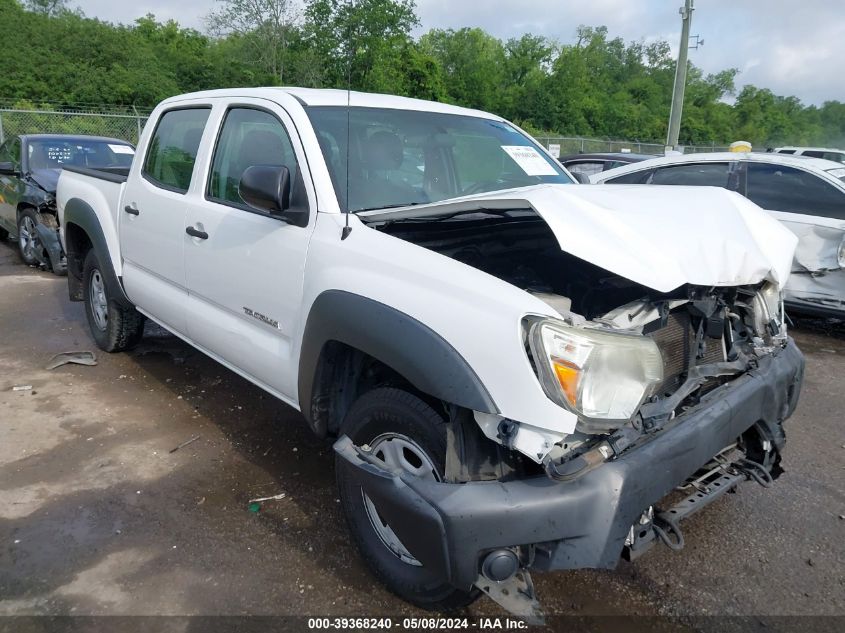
x=97 y=516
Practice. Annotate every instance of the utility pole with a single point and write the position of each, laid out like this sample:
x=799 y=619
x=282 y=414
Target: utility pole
x=680 y=76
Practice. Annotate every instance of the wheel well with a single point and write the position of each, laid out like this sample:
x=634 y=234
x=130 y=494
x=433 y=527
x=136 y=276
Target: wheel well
x=77 y=245
x=23 y=206
x=343 y=374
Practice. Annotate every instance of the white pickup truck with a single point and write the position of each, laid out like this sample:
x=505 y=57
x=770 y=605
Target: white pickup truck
x=517 y=369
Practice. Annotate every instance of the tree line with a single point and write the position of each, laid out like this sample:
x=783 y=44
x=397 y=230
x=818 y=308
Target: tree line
x=596 y=86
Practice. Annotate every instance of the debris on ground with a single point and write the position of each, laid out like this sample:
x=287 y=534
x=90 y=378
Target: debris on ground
x=77 y=358
x=255 y=508
x=22 y=388
x=185 y=443
x=273 y=498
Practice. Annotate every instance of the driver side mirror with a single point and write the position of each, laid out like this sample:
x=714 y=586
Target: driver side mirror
x=582 y=179
x=271 y=188
x=266 y=187
x=8 y=169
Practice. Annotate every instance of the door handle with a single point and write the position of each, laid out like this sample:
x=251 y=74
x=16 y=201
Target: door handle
x=196 y=233
x=131 y=210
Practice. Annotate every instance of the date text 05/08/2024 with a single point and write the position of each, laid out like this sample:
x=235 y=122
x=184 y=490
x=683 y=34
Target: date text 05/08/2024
x=412 y=624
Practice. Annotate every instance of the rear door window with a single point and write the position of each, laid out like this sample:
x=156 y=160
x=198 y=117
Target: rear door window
x=781 y=188
x=173 y=148
x=696 y=174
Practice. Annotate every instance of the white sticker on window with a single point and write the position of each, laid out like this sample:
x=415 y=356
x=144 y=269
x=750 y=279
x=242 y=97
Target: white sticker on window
x=121 y=149
x=530 y=160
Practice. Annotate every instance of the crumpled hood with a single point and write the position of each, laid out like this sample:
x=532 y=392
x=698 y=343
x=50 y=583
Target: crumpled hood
x=659 y=236
x=48 y=179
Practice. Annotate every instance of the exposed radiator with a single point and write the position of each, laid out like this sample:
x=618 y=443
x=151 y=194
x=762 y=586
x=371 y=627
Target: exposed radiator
x=676 y=341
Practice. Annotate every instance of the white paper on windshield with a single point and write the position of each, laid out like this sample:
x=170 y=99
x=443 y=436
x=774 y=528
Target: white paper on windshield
x=121 y=149
x=530 y=160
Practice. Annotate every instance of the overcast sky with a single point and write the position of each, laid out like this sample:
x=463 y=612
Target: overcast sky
x=792 y=47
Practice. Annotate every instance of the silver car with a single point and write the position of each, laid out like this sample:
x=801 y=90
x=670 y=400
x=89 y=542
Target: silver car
x=806 y=194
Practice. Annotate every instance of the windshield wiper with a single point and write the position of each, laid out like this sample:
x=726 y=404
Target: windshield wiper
x=389 y=206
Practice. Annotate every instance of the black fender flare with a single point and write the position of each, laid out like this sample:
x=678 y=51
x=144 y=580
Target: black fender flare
x=79 y=213
x=408 y=346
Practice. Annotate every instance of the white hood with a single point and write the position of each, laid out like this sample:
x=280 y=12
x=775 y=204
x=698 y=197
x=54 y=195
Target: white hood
x=659 y=236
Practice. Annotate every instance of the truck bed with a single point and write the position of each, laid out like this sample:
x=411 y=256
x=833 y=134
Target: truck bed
x=112 y=174
x=102 y=190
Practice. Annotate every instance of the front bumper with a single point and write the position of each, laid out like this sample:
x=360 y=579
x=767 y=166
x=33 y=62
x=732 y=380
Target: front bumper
x=582 y=523
x=49 y=239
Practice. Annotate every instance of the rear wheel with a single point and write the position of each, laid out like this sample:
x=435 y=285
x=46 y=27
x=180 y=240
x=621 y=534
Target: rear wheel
x=404 y=432
x=114 y=327
x=30 y=247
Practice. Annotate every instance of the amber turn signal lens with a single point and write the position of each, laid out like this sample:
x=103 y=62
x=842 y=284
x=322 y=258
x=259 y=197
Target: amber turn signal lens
x=567 y=376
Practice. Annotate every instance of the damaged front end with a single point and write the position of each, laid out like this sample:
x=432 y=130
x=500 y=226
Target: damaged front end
x=631 y=371
x=699 y=404
x=669 y=385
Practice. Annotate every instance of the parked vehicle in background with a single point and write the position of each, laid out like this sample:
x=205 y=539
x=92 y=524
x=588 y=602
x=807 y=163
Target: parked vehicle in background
x=591 y=164
x=29 y=170
x=806 y=194
x=836 y=155
x=517 y=369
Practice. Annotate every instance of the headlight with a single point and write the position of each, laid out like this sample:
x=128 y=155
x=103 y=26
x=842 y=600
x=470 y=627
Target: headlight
x=772 y=296
x=596 y=375
x=768 y=307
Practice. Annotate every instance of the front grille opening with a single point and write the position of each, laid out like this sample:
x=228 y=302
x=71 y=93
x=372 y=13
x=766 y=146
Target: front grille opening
x=676 y=342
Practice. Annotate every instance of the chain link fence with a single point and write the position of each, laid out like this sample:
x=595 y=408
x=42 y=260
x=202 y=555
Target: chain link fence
x=128 y=125
x=566 y=145
x=124 y=126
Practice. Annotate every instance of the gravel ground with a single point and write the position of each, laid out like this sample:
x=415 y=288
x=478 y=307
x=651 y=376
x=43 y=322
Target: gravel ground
x=99 y=517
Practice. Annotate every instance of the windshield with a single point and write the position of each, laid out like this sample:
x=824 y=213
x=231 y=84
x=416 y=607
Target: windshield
x=53 y=153
x=405 y=157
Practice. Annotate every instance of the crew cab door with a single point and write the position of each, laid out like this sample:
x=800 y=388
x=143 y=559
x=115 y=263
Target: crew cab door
x=151 y=219
x=245 y=267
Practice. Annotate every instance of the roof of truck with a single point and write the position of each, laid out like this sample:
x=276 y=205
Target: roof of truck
x=331 y=97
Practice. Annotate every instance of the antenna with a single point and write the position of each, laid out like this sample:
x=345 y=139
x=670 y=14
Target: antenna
x=346 y=228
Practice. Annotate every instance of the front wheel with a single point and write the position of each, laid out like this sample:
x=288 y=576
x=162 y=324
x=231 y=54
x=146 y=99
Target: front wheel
x=404 y=432
x=115 y=328
x=30 y=247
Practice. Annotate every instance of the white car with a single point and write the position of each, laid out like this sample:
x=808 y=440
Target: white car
x=806 y=194
x=827 y=153
x=517 y=369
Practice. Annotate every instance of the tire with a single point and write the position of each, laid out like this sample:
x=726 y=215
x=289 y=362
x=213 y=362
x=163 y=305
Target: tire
x=4 y=234
x=31 y=250
x=400 y=416
x=113 y=327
